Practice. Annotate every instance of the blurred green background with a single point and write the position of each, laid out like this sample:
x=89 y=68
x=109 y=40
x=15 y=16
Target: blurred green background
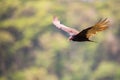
x=32 y=48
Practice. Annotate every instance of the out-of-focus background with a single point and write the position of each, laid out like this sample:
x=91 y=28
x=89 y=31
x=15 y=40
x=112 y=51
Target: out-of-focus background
x=32 y=48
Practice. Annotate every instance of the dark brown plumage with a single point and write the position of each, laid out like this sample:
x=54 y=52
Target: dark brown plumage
x=85 y=34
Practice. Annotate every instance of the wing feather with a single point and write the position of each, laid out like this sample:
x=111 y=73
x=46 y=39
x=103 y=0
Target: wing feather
x=69 y=30
x=99 y=26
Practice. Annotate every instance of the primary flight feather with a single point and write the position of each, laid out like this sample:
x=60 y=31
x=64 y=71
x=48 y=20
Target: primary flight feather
x=85 y=34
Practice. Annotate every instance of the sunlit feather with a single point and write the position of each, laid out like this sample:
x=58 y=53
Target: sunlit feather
x=99 y=26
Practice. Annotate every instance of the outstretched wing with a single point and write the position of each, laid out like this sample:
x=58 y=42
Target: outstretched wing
x=99 y=26
x=69 y=30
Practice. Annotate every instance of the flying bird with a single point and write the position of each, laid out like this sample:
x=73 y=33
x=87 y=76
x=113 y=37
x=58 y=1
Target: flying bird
x=85 y=34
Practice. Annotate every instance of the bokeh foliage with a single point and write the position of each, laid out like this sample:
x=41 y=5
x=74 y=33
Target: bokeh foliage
x=32 y=48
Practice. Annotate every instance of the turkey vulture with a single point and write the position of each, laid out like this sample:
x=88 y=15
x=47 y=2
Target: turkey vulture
x=85 y=34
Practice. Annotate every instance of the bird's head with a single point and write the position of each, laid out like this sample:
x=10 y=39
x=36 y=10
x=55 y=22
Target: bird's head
x=70 y=38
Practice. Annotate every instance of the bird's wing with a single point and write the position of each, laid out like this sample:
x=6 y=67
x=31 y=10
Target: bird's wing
x=99 y=26
x=69 y=30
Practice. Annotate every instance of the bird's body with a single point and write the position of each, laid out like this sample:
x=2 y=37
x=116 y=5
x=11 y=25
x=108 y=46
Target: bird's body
x=85 y=34
x=81 y=36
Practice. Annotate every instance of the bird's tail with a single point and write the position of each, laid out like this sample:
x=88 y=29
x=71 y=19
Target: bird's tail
x=92 y=41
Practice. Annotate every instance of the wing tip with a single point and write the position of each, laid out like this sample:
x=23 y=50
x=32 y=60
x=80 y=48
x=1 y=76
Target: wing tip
x=55 y=18
x=103 y=21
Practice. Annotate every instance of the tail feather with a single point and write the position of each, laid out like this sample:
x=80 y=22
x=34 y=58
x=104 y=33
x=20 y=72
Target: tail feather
x=93 y=41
